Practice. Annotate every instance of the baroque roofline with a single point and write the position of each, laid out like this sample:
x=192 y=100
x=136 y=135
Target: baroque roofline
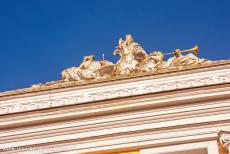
x=134 y=62
x=59 y=85
x=188 y=79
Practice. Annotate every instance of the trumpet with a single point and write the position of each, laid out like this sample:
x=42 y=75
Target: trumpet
x=195 y=50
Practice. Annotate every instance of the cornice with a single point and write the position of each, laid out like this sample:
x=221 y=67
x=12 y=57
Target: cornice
x=118 y=90
x=191 y=115
x=144 y=102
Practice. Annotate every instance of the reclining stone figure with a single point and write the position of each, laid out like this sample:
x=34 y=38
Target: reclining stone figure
x=89 y=69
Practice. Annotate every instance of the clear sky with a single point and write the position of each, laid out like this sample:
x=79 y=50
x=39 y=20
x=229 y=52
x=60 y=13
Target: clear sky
x=40 y=38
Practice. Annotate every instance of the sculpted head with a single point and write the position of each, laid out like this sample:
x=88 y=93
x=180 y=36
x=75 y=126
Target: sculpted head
x=88 y=58
x=157 y=55
x=177 y=53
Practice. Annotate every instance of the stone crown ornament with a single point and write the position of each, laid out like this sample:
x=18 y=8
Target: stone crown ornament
x=133 y=59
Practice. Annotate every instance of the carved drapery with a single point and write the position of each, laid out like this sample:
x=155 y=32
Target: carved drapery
x=133 y=59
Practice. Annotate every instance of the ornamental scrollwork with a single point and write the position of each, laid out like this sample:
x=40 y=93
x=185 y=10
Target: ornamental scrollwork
x=224 y=139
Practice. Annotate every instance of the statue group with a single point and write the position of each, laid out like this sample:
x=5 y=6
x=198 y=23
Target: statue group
x=133 y=59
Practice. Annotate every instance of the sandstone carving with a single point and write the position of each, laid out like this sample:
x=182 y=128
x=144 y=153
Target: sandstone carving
x=133 y=59
x=131 y=55
x=224 y=138
x=89 y=69
x=184 y=60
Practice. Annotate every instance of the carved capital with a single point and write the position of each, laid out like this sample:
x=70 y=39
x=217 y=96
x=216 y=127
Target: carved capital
x=224 y=138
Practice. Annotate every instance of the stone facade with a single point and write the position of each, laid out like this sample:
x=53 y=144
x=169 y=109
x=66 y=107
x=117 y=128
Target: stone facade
x=170 y=112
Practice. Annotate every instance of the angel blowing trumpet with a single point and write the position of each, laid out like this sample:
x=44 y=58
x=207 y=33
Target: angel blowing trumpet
x=194 y=50
x=133 y=59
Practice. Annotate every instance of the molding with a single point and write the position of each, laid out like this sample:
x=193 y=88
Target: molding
x=197 y=123
x=48 y=131
x=129 y=141
x=176 y=82
x=108 y=121
x=123 y=118
x=149 y=127
x=125 y=129
x=154 y=101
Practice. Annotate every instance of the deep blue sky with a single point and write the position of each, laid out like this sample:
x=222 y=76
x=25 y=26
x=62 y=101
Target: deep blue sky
x=40 y=38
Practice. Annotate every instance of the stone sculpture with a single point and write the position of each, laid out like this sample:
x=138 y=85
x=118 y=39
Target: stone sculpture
x=131 y=55
x=180 y=60
x=133 y=59
x=89 y=69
